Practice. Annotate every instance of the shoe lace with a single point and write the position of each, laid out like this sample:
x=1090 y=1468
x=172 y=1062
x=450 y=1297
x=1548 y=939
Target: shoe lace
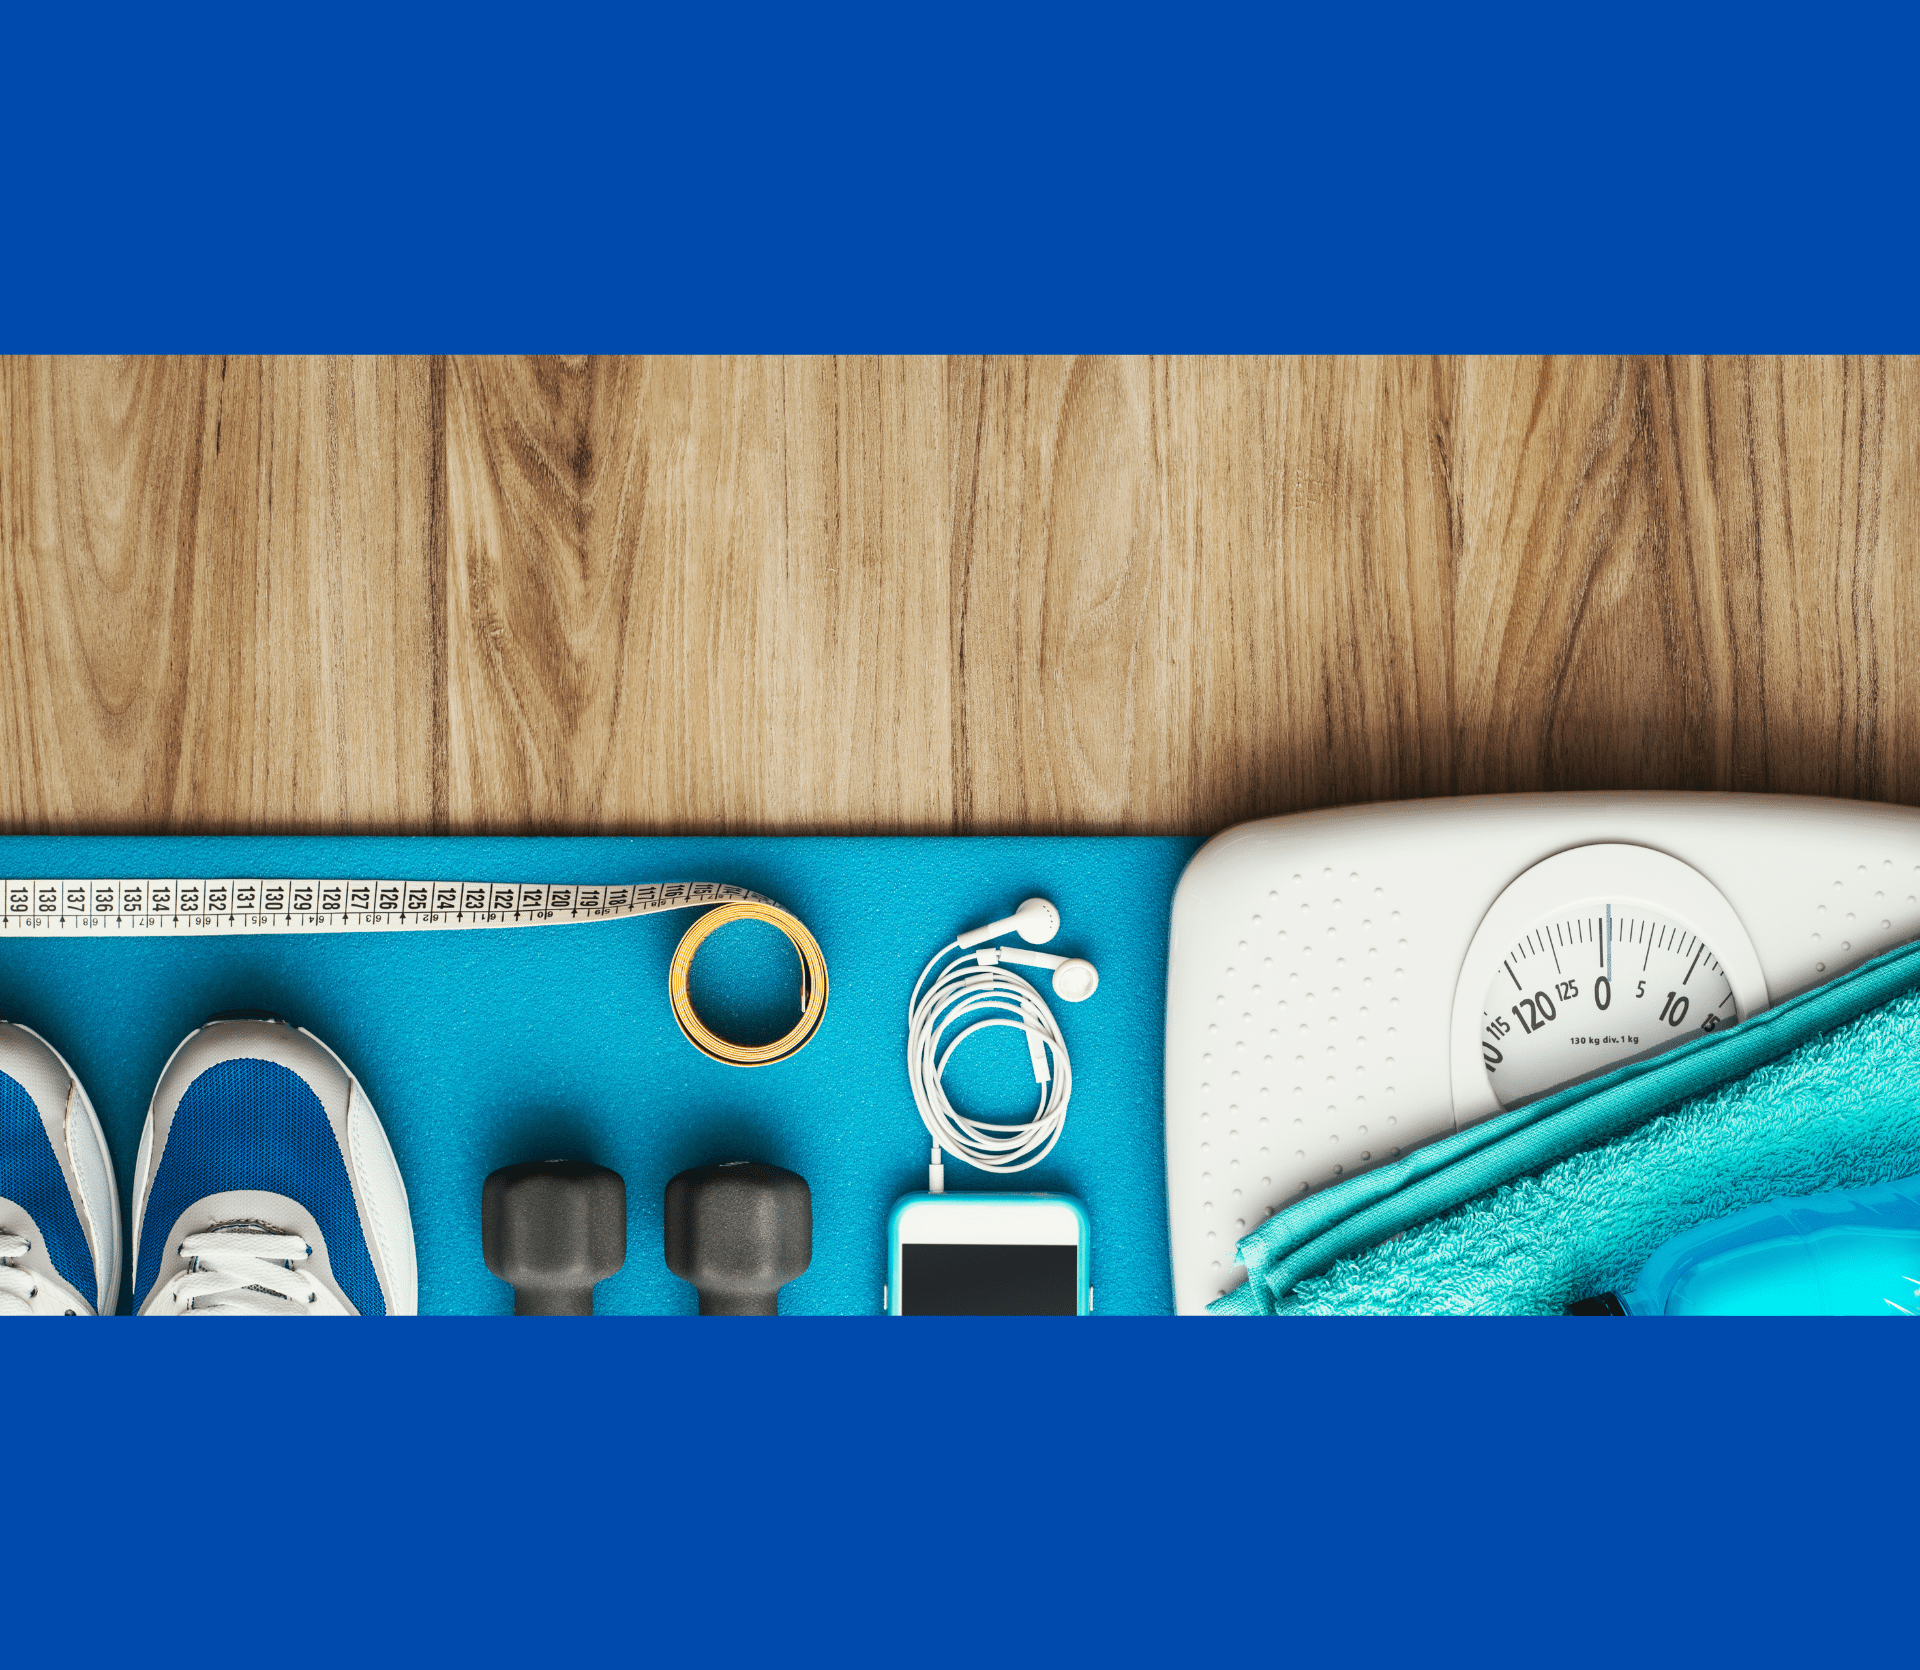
x=244 y=1270
x=17 y=1287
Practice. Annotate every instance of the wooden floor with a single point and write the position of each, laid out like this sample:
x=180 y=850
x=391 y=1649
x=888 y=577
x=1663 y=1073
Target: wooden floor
x=924 y=594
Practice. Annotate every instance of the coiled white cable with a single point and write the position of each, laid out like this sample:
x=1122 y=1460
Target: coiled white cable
x=975 y=984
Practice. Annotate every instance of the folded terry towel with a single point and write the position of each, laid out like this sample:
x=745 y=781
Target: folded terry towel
x=1570 y=1195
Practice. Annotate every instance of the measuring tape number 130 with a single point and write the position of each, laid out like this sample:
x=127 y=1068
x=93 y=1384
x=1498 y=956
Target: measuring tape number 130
x=145 y=907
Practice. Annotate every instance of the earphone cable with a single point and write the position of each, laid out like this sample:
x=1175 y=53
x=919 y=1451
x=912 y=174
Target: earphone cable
x=975 y=992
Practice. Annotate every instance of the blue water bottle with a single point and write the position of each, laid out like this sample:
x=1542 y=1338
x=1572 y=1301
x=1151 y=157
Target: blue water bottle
x=1855 y=1252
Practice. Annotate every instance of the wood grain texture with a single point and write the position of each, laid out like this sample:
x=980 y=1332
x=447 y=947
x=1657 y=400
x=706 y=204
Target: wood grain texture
x=687 y=593
x=927 y=595
x=214 y=579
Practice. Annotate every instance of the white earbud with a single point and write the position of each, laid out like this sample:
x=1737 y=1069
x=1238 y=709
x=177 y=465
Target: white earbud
x=1036 y=921
x=1074 y=978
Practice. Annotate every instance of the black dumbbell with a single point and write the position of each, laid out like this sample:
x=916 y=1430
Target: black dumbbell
x=739 y=1232
x=553 y=1228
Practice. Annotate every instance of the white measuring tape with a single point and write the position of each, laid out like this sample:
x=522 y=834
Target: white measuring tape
x=150 y=908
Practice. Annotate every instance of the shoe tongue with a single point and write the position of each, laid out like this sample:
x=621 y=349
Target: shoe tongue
x=247 y=1226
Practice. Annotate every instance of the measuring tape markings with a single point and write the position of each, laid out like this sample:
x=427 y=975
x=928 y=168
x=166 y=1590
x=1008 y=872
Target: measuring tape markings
x=142 y=908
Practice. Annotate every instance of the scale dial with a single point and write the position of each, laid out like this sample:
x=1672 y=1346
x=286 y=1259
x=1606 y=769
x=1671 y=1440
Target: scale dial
x=1591 y=986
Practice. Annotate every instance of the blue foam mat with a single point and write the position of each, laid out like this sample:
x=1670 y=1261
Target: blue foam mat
x=484 y=1047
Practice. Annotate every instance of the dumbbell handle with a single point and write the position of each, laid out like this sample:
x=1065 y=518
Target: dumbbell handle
x=553 y=1301
x=739 y=1304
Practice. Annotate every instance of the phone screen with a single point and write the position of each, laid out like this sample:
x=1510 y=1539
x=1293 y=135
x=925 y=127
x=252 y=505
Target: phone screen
x=937 y=1279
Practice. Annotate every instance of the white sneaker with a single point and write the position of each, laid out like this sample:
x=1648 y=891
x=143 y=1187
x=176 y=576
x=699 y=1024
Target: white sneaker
x=265 y=1184
x=59 y=1204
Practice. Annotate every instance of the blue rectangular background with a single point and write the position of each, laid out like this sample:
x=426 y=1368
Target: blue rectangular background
x=960 y=177
x=966 y=1492
x=481 y=1048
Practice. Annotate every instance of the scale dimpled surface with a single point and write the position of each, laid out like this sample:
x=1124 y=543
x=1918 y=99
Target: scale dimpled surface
x=1289 y=1084
x=30 y=1174
x=258 y=1125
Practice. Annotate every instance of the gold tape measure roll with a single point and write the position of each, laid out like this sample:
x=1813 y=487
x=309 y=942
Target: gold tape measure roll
x=813 y=985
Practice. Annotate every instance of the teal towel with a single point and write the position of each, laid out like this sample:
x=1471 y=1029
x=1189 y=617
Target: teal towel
x=1568 y=1196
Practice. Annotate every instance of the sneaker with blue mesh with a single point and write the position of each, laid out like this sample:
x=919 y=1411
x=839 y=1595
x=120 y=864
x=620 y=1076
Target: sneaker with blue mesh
x=59 y=1203
x=265 y=1184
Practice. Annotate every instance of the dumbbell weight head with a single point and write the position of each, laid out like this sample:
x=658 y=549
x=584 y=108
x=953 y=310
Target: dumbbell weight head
x=739 y=1232
x=553 y=1228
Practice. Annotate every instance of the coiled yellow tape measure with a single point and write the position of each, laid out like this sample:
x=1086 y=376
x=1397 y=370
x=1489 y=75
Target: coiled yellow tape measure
x=144 y=908
x=813 y=984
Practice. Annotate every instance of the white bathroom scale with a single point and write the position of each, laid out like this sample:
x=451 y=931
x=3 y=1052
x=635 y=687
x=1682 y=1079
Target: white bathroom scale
x=1345 y=985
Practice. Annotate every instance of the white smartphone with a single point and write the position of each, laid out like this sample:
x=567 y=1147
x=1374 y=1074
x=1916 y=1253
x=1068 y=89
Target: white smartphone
x=987 y=1255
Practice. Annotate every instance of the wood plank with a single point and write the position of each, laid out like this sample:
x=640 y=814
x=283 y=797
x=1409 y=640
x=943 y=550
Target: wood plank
x=1186 y=589
x=1686 y=574
x=922 y=594
x=215 y=605
x=1316 y=608
x=704 y=593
